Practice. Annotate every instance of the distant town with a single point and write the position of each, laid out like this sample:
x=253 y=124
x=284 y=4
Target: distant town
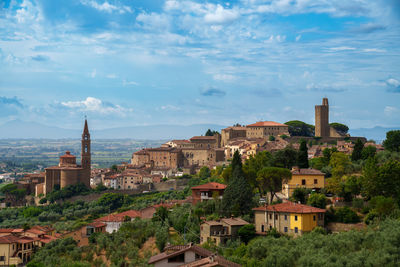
x=199 y=196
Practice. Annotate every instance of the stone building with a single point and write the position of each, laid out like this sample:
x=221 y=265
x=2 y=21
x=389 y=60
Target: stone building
x=68 y=172
x=169 y=157
x=264 y=129
x=322 y=128
x=220 y=231
x=232 y=132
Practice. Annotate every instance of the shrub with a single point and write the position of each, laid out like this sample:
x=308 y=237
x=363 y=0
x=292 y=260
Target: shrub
x=346 y=215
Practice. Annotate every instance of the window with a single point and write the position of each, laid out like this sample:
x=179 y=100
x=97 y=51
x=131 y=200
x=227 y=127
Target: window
x=285 y=229
x=315 y=181
x=314 y=217
x=262 y=228
x=285 y=217
x=270 y=216
x=276 y=216
x=177 y=258
x=296 y=230
x=295 y=217
x=2 y=258
x=303 y=181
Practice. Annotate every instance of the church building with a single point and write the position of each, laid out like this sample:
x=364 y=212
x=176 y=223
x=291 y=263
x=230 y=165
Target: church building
x=67 y=172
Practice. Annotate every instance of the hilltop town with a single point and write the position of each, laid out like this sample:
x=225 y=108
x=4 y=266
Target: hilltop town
x=209 y=200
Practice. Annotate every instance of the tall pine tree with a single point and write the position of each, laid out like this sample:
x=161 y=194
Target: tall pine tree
x=302 y=157
x=357 y=152
x=238 y=195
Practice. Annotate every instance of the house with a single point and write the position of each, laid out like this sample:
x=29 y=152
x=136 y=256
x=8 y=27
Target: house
x=220 y=231
x=82 y=235
x=207 y=191
x=265 y=129
x=189 y=255
x=15 y=250
x=306 y=178
x=288 y=218
x=114 y=221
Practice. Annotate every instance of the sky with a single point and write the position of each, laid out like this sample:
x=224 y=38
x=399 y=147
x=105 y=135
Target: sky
x=150 y=62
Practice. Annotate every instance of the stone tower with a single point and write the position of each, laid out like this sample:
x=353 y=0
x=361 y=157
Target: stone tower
x=86 y=158
x=322 y=119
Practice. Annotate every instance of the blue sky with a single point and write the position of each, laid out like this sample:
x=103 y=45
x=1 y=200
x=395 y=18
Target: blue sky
x=144 y=62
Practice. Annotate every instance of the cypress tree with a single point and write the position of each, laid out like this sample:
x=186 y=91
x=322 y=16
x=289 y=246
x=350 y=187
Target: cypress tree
x=238 y=195
x=357 y=152
x=302 y=158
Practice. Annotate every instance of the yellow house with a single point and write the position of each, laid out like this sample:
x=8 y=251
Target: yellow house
x=288 y=218
x=306 y=178
x=15 y=250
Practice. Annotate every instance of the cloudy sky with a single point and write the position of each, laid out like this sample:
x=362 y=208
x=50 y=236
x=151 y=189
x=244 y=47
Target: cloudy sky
x=144 y=62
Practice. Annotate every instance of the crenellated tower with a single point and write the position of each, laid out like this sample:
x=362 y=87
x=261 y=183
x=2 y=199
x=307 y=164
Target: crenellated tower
x=322 y=128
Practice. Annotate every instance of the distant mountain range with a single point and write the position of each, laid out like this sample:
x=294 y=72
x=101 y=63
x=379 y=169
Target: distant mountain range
x=17 y=129
x=22 y=129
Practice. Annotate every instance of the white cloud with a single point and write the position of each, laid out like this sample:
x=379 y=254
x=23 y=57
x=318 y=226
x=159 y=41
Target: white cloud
x=389 y=111
x=298 y=37
x=127 y=83
x=91 y=104
x=393 y=82
x=342 y=48
x=170 y=108
x=107 y=7
x=220 y=15
x=154 y=21
x=224 y=77
x=111 y=76
x=93 y=73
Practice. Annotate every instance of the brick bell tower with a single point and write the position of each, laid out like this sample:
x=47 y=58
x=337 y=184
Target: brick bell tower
x=86 y=158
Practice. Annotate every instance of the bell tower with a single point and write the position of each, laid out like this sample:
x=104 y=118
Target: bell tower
x=86 y=158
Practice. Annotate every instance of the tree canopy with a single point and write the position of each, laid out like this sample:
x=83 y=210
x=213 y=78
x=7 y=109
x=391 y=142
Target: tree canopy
x=302 y=157
x=270 y=180
x=339 y=127
x=300 y=128
x=392 y=141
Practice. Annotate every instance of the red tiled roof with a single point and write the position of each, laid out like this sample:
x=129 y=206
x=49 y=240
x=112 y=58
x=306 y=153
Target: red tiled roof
x=47 y=239
x=8 y=239
x=97 y=224
x=203 y=138
x=68 y=155
x=265 y=124
x=210 y=186
x=307 y=172
x=290 y=207
x=119 y=217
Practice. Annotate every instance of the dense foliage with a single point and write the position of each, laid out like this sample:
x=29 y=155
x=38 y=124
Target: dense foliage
x=299 y=128
x=339 y=127
x=392 y=141
x=372 y=247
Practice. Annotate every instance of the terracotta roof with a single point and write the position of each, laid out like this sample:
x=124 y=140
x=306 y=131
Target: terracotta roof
x=67 y=155
x=210 y=186
x=180 y=141
x=172 y=251
x=307 y=172
x=97 y=224
x=234 y=221
x=213 y=260
x=203 y=138
x=8 y=239
x=47 y=239
x=290 y=207
x=119 y=217
x=236 y=128
x=265 y=124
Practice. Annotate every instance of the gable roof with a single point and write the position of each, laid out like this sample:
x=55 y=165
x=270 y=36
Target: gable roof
x=307 y=172
x=119 y=217
x=290 y=207
x=266 y=124
x=173 y=251
x=209 y=186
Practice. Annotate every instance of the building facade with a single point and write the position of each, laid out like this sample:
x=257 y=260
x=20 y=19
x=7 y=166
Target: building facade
x=220 y=231
x=304 y=178
x=207 y=191
x=68 y=172
x=263 y=129
x=288 y=218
